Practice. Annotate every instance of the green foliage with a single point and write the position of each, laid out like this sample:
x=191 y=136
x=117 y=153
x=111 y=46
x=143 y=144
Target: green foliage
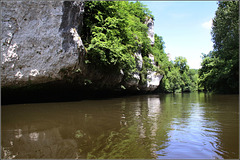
x=113 y=32
x=177 y=75
x=160 y=57
x=174 y=79
x=220 y=68
x=79 y=134
x=181 y=63
x=119 y=145
x=193 y=75
x=179 y=78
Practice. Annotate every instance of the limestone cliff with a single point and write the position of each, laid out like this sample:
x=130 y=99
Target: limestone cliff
x=40 y=43
x=37 y=41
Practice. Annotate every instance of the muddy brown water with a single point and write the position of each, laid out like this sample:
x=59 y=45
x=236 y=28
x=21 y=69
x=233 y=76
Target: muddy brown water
x=164 y=126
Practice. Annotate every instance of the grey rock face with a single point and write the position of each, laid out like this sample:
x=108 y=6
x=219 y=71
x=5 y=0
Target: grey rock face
x=153 y=78
x=37 y=40
x=139 y=60
x=150 y=24
x=41 y=43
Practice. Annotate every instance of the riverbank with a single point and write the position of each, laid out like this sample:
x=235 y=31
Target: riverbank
x=60 y=92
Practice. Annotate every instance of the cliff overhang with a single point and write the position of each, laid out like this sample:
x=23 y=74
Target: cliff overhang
x=43 y=54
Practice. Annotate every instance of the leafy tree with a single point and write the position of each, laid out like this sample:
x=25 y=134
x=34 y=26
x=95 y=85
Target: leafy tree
x=175 y=81
x=220 y=68
x=178 y=77
x=113 y=32
x=193 y=75
x=181 y=63
x=160 y=57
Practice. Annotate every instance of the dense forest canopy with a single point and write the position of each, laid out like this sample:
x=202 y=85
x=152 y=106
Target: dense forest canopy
x=220 y=67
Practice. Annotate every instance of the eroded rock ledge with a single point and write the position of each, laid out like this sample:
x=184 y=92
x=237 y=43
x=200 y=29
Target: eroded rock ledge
x=43 y=52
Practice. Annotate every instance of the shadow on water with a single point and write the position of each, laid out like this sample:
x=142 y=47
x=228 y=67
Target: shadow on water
x=59 y=92
x=144 y=126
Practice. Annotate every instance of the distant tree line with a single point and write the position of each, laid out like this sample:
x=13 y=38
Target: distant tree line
x=177 y=77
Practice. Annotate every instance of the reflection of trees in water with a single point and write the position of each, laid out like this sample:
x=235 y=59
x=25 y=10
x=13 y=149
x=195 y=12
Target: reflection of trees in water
x=222 y=113
x=201 y=125
x=119 y=128
x=49 y=130
x=141 y=126
x=37 y=144
x=133 y=127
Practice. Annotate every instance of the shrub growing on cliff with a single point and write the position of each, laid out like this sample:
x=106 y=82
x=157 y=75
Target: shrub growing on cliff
x=113 y=31
x=160 y=57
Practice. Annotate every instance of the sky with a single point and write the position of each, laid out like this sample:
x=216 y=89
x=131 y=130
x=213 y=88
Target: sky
x=185 y=27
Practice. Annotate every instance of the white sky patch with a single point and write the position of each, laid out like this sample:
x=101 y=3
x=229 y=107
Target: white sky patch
x=193 y=55
x=207 y=25
x=194 y=63
x=183 y=33
x=179 y=15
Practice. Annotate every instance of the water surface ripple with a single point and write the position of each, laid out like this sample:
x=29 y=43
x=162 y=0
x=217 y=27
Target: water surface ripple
x=164 y=126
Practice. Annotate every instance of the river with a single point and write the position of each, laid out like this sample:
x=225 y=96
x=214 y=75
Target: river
x=161 y=126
